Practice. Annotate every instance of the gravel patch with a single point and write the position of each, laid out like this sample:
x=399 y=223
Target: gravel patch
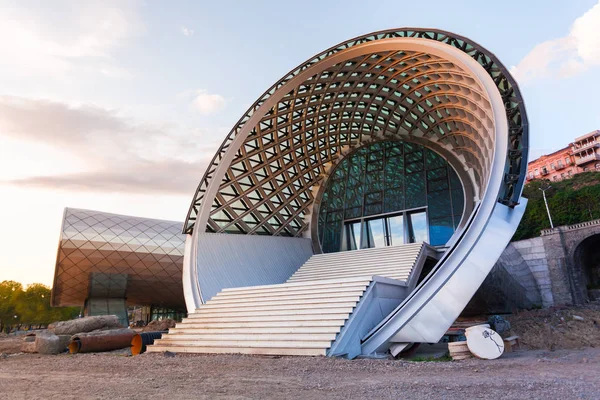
x=564 y=374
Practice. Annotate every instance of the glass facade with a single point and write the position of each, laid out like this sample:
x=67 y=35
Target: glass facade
x=390 y=193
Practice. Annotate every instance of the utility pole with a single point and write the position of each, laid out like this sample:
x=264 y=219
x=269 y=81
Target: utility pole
x=546 y=203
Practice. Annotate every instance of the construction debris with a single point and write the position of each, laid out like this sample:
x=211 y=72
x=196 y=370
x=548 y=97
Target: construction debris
x=459 y=350
x=48 y=343
x=484 y=342
x=28 y=347
x=159 y=326
x=85 y=324
x=511 y=343
x=556 y=328
x=141 y=340
x=101 y=341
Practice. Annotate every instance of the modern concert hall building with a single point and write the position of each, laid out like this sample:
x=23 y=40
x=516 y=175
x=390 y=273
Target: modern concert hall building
x=359 y=203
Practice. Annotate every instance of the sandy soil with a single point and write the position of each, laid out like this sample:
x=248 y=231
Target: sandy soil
x=564 y=374
x=10 y=344
x=558 y=328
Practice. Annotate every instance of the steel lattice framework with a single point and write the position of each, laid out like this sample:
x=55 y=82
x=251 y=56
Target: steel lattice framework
x=269 y=184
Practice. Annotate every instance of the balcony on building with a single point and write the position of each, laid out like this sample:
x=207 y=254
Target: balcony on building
x=579 y=148
x=587 y=159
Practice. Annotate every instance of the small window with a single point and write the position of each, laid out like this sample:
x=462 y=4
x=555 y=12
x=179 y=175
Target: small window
x=552 y=166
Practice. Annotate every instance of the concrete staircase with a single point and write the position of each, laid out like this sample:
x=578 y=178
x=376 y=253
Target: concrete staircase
x=303 y=316
x=396 y=262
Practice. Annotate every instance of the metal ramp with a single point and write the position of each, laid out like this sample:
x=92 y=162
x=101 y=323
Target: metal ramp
x=323 y=309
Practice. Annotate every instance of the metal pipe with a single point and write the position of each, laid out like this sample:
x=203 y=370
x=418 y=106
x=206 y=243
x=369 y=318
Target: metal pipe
x=547 y=208
x=113 y=339
x=143 y=339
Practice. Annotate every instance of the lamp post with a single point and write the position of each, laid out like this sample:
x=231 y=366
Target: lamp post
x=546 y=203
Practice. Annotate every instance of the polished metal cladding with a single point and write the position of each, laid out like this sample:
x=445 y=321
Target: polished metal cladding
x=102 y=255
x=427 y=87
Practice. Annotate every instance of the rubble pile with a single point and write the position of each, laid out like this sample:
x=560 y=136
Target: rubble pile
x=558 y=328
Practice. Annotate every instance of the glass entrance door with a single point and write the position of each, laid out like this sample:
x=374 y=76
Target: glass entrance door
x=394 y=230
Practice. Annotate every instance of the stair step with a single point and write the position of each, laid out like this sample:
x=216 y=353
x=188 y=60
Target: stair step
x=331 y=283
x=287 y=297
x=355 y=254
x=295 y=290
x=234 y=308
x=288 y=311
x=401 y=278
x=228 y=350
x=341 y=274
x=405 y=258
x=208 y=329
x=375 y=273
x=281 y=303
x=253 y=337
x=315 y=317
x=408 y=263
x=247 y=343
x=293 y=324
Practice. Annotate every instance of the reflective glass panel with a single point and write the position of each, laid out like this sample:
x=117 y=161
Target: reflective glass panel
x=376 y=233
x=353 y=234
x=396 y=229
x=419 y=227
x=385 y=179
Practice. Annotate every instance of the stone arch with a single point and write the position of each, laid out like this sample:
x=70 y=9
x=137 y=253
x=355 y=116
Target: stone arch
x=585 y=259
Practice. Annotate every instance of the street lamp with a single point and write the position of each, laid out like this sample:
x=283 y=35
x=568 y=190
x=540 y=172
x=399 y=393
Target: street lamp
x=546 y=203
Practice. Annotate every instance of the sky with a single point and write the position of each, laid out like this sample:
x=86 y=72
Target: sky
x=119 y=105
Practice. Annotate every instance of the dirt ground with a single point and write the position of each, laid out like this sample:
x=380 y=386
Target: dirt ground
x=563 y=374
x=10 y=344
x=568 y=367
x=558 y=328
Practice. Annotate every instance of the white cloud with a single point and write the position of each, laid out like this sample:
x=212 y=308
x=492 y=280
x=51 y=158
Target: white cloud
x=207 y=103
x=66 y=37
x=119 y=154
x=566 y=56
x=186 y=31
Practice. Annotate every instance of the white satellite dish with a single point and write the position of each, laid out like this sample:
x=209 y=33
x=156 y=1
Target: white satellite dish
x=484 y=342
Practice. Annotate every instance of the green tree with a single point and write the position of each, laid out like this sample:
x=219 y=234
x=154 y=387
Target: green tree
x=570 y=201
x=30 y=306
x=9 y=291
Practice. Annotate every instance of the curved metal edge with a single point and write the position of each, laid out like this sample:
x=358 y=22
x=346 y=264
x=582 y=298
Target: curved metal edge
x=521 y=131
x=426 y=320
x=60 y=239
x=424 y=301
x=192 y=293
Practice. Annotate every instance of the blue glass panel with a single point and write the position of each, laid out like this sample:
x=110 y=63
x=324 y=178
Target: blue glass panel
x=440 y=230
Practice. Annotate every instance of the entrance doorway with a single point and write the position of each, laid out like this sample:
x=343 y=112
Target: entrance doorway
x=389 y=230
